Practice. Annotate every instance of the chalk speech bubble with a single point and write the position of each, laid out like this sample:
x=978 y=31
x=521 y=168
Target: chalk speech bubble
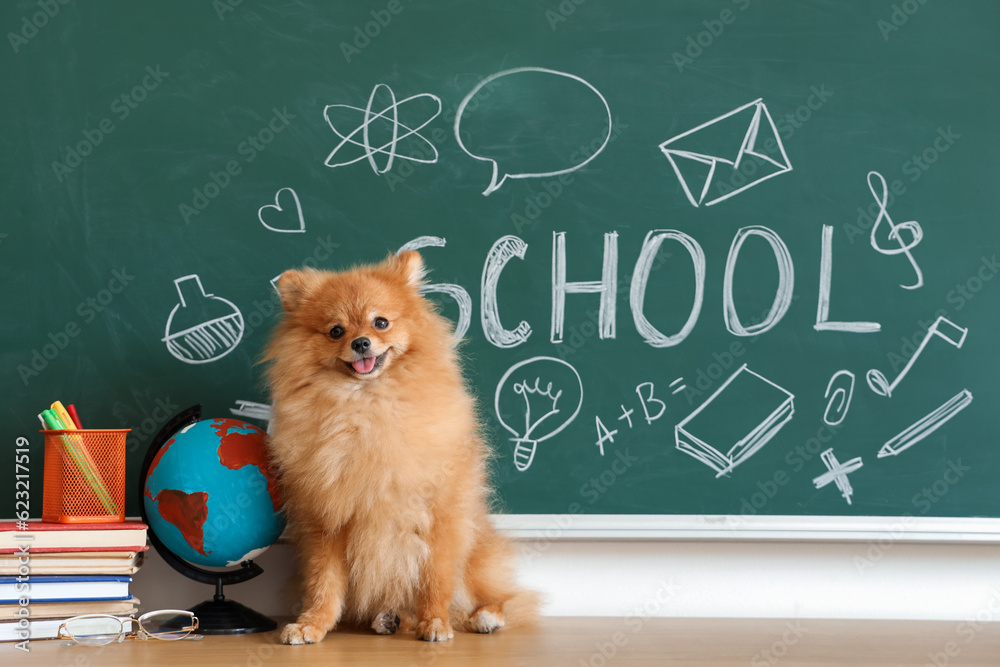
x=500 y=177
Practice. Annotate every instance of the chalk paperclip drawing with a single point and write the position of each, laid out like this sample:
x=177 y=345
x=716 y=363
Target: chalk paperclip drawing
x=379 y=132
x=926 y=425
x=202 y=327
x=837 y=473
x=739 y=418
x=951 y=333
x=912 y=226
x=841 y=396
x=539 y=403
x=712 y=153
x=299 y=226
x=492 y=82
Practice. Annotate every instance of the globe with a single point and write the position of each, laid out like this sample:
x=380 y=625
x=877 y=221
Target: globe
x=209 y=495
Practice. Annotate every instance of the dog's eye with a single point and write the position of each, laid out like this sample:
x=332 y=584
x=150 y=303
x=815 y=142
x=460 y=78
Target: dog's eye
x=336 y=332
x=380 y=323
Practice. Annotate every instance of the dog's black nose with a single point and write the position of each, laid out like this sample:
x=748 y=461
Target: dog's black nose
x=360 y=345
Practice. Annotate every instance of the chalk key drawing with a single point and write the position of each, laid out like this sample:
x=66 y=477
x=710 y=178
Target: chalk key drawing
x=379 y=132
x=201 y=327
x=490 y=84
x=301 y=226
x=913 y=227
x=739 y=418
x=747 y=132
x=837 y=473
x=841 y=395
x=544 y=417
x=926 y=425
x=952 y=333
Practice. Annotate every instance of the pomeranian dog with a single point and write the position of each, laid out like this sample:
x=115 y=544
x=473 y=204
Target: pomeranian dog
x=378 y=451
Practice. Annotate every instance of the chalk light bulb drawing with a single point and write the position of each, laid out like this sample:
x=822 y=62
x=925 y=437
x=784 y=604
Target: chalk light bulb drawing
x=543 y=414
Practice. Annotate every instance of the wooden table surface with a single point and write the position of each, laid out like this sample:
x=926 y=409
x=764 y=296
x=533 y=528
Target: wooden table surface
x=571 y=642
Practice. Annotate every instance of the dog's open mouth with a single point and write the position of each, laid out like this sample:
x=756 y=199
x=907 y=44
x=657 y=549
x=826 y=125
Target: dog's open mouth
x=367 y=365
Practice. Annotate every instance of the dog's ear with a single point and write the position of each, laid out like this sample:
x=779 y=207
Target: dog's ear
x=411 y=265
x=293 y=287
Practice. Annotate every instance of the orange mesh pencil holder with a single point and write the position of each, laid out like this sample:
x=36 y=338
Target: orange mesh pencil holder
x=84 y=476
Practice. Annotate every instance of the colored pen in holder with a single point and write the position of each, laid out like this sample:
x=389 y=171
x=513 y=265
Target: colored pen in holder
x=84 y=475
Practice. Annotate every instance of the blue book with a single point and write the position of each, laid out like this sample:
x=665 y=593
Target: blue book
x=60 y=588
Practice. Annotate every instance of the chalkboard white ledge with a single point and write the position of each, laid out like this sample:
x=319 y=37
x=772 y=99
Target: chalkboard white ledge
x=737 y=527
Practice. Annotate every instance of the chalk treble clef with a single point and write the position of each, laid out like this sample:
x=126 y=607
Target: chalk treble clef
x=911 y=226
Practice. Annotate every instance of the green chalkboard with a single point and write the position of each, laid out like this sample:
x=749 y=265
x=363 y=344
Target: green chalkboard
x=743 y=248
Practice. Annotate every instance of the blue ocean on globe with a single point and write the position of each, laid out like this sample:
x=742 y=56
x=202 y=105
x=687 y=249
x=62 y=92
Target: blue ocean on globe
x=210 y=496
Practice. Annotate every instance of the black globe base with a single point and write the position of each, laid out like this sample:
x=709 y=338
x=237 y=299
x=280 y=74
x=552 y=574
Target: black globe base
x=229 y=617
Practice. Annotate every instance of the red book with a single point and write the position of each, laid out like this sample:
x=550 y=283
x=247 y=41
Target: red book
x=42 y=537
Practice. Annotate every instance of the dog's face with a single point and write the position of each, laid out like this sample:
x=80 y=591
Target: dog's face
x=355 y=323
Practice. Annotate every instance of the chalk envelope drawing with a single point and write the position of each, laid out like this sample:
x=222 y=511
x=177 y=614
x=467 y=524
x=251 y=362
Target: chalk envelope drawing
x=379 y=131
x=711 y=154
x=734 y=422
x=543 y=415
x=500 y=174
x=202 y=327
x=275 y=217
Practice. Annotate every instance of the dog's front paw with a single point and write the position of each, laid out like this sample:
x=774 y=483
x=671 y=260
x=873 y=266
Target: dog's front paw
x=386 y=623
x=434 y=630
x=302 y=633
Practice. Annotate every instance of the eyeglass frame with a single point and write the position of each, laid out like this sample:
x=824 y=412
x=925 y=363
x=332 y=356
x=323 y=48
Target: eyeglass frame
x=140 y=632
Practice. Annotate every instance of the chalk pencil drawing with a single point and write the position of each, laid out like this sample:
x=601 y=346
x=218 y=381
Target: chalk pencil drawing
x=841 y=396
x=739 y=418
x=490 y=84
x=912 y=226
x=277 y=206
x=456 y=292
x=837 y=473
x=745 y=132
x=640 y=278
x=543 y=415
x=823 y=303
x=606 y=287
x=202 y=327
x=942 y=328
x=782 y=293
x=926 y=425
x=397 y=136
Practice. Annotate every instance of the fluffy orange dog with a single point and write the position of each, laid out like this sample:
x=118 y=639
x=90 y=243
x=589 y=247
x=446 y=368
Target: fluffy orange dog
x=378 y=450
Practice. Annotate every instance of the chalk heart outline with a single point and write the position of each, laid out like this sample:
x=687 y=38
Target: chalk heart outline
x=277 y=205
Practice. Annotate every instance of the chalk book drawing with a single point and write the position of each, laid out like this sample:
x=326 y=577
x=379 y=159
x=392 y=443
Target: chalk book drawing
x=739 y=418
x=202 y=327
x=380 y=132
x=711 y=154
x=277 y=218
x=489 y=85
x=540 y=406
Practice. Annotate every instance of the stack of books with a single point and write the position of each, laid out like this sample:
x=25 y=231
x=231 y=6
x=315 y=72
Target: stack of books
x=53 y=571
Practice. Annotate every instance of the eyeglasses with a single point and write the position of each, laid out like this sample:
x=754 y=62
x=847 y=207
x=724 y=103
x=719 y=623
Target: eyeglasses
x=100 y=629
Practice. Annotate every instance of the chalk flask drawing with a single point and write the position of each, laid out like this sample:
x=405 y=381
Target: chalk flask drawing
x=202 y=327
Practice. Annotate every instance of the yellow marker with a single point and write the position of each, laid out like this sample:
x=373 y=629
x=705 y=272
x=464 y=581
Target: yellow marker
x=63 y=415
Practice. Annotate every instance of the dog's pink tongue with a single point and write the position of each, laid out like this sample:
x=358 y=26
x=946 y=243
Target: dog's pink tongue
x=364 y=365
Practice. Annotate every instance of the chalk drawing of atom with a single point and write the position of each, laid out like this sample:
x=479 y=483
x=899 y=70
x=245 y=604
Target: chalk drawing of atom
x=376 y=133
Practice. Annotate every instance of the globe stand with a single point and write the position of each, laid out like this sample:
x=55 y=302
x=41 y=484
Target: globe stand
x=217 y=616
